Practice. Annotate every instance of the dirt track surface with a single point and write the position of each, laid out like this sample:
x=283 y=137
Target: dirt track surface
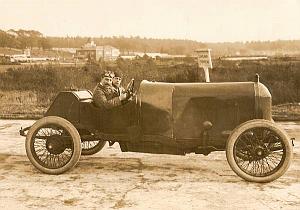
x=115 y=180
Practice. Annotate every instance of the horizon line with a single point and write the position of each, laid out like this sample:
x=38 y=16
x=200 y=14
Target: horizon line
x=157 y=38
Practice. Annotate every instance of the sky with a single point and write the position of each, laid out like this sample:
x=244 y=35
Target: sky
x=200 y=20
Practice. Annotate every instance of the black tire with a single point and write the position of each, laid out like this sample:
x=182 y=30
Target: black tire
x=53 y=145
x=92 y=147
x=259 y=151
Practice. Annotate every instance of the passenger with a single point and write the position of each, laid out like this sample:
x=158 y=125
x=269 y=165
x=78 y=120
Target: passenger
x=103 y=94
x=116 y=84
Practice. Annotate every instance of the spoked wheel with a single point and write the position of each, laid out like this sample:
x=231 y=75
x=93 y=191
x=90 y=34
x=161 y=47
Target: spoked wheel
x=53 y=145
x=91 y=147
x=259 y=151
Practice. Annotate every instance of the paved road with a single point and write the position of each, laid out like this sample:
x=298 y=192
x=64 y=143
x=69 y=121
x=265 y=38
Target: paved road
x=115 y=180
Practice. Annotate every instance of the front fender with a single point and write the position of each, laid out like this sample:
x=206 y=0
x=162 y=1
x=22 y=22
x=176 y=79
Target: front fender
x=23 y=130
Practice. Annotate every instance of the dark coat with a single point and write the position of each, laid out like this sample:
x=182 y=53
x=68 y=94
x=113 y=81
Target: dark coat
x=104 y=96
x=118 y=90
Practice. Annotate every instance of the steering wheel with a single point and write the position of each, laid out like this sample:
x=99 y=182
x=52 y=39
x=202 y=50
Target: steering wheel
x=130 y=87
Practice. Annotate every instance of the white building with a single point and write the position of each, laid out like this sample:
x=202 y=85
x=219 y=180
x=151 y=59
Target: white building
x=94 y=52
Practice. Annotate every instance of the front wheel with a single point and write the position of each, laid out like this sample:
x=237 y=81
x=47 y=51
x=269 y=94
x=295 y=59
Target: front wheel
x=53 y=145
x=259 y=151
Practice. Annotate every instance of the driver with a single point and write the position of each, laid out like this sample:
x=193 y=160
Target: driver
x=116 y=84
x=103 y=94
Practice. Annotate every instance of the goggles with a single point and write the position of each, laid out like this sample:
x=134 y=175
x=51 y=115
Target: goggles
x=109 y=74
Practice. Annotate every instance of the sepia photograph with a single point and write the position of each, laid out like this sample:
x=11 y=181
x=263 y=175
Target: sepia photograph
x=148 y=104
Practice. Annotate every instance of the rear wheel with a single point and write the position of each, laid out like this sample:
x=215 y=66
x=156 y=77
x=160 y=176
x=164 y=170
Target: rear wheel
x=53 y=145
x=259 y=151
x=92 y=147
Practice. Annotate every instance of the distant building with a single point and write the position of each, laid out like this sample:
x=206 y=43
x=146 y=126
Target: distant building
x=94 y=52
x=26 y=57
x=20 y=57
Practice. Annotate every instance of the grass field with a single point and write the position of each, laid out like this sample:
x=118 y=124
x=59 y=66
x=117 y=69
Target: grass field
x=3 y=68
x=30 y=89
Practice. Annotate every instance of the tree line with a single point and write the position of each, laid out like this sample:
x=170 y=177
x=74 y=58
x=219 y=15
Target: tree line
x=22 y=39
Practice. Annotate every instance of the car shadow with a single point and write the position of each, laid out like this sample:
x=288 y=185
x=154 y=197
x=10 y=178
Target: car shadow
x=153 y=170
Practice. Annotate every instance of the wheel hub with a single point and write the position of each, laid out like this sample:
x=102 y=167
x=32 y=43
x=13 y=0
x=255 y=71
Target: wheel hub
x=55 y=144
x=260 y=153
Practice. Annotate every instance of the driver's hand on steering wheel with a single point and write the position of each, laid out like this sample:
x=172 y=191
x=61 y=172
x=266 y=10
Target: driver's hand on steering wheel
x=123 y=96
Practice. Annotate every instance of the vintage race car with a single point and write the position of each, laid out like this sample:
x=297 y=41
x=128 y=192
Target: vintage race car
x=166 y=118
